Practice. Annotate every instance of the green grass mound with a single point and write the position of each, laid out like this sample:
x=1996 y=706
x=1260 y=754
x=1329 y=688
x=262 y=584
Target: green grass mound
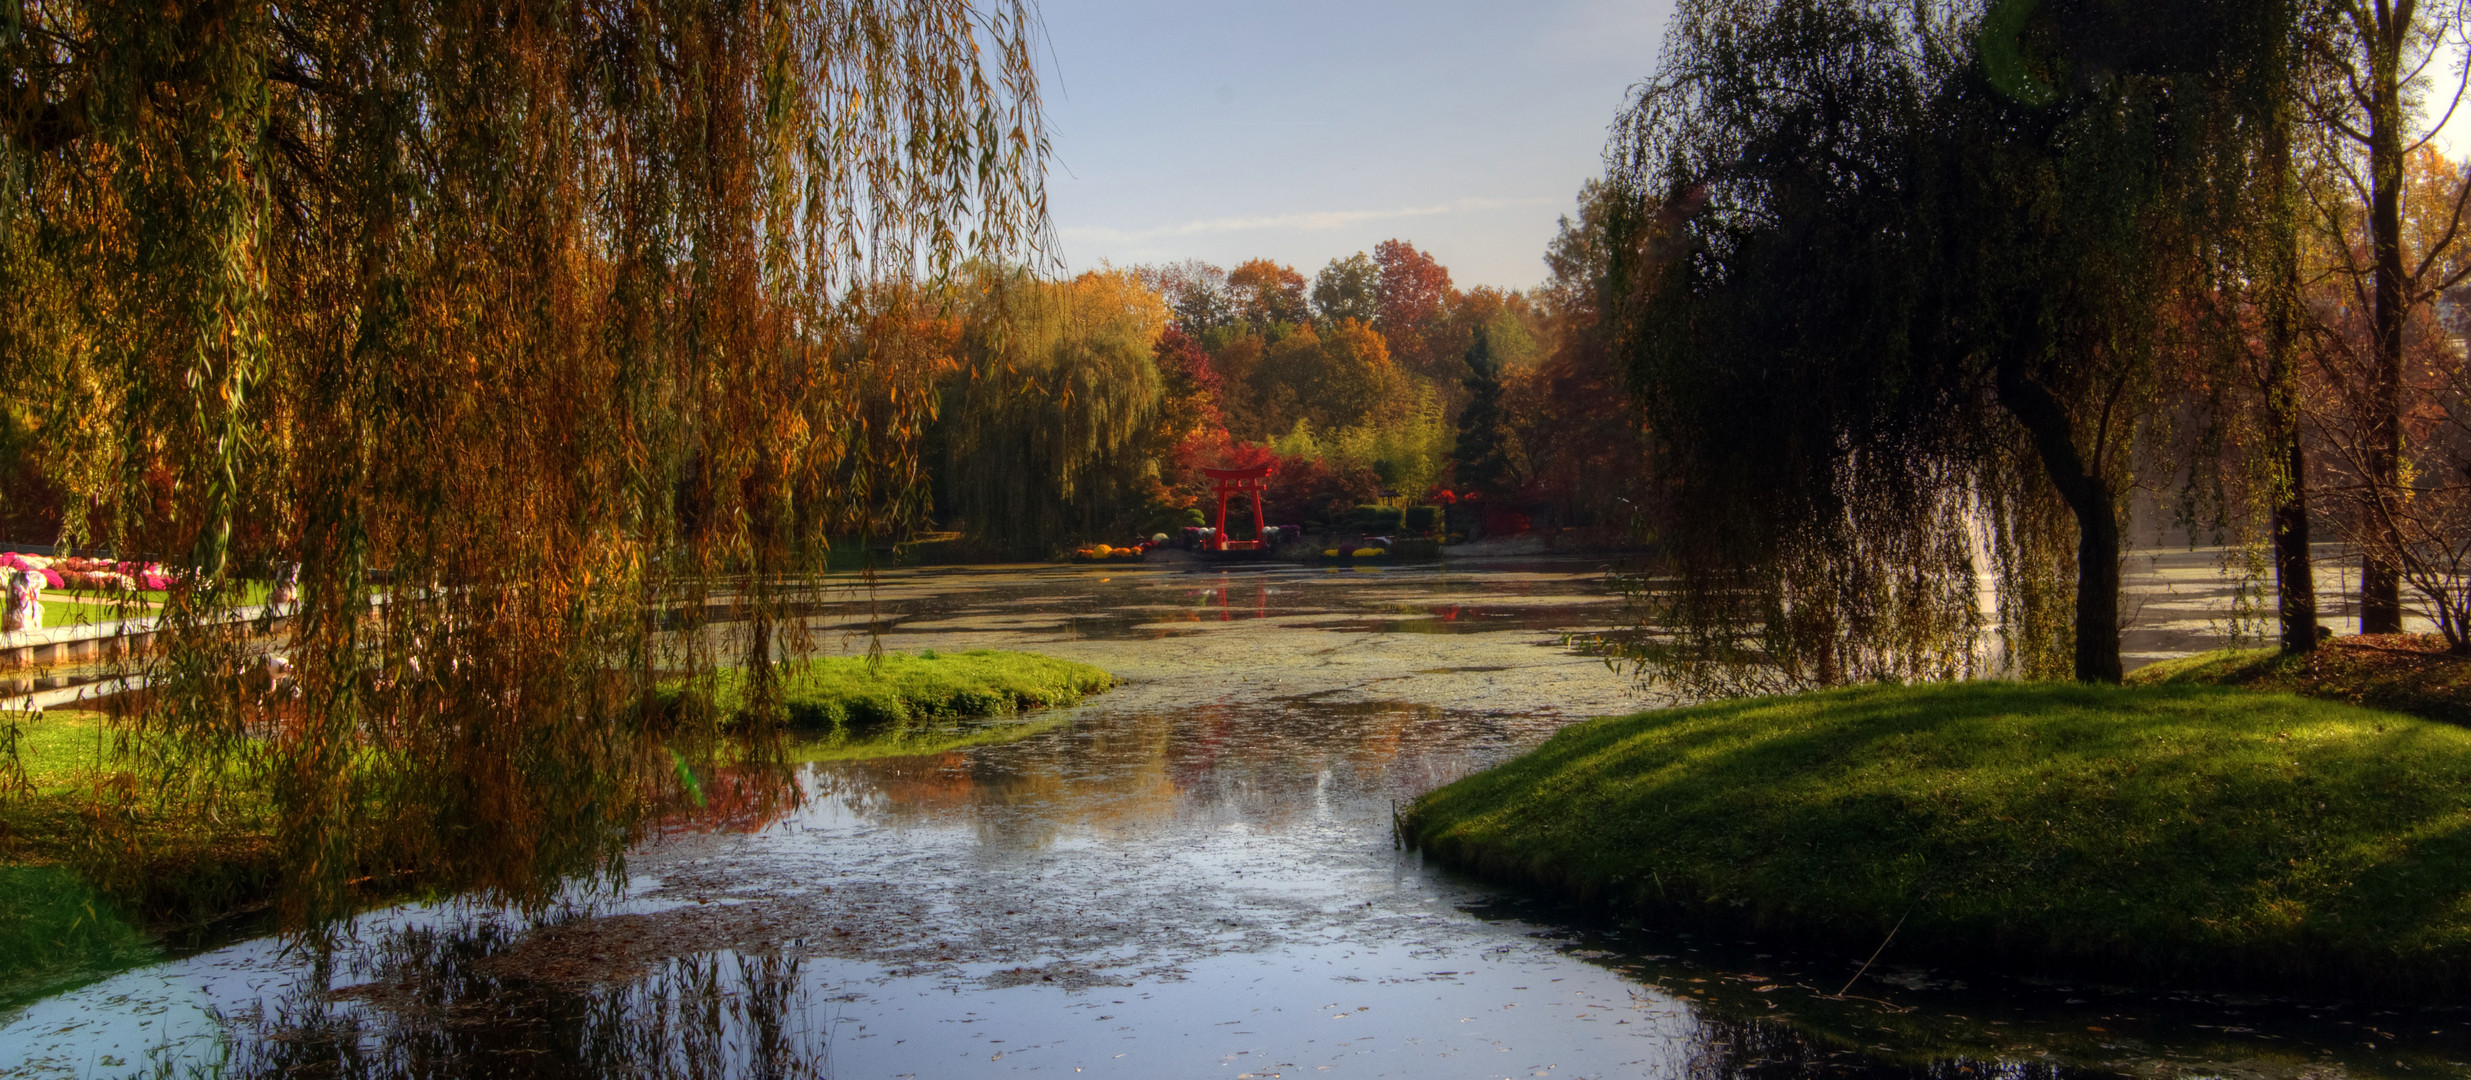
x=845 y=697
x=2160 y=832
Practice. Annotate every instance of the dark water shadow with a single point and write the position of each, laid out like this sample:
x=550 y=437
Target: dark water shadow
x=1802 y=1009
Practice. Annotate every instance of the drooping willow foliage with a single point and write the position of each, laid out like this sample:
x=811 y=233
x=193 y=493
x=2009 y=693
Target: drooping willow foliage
x=1044 y=434
x=1900 y=298
x=531 y=332
x=1815 y=511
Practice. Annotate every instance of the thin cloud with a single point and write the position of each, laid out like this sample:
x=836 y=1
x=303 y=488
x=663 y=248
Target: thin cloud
x=1312 y=221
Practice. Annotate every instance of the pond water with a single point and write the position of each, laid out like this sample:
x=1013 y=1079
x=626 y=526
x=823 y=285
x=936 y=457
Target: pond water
x=1191 y=876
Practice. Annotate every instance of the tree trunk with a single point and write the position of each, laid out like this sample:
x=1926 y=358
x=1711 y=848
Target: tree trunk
x=2380 y=589
x=2294 y=571
x=2090 y=498
x=2097 y=580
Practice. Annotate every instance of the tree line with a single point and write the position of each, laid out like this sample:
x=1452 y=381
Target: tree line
x=1085 y=408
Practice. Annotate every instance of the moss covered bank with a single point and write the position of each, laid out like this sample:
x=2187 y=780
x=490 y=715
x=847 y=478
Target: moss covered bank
x=2163 y=833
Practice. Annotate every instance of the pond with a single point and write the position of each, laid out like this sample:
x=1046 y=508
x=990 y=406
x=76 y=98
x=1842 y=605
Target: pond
x=1193 y=875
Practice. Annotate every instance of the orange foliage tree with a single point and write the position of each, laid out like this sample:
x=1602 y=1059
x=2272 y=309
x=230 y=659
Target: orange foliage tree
x=538 y=323
x=1415 y=296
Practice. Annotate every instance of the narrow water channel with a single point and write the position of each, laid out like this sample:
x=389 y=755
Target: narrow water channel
x=1192 y=876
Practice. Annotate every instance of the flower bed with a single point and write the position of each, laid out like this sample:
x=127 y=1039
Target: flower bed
x=89 y=575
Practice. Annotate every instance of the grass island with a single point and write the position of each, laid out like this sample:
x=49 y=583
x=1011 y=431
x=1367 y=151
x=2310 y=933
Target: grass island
x=2167 y=831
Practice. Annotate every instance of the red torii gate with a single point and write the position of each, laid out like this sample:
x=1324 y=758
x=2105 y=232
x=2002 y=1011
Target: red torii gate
x=1233 y=483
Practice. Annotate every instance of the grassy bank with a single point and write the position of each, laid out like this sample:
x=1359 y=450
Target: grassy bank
x=57 y=934
x=57 y=930
x=2159 y=832
x=66 y=755
x=2404 y=673
x=909 y=697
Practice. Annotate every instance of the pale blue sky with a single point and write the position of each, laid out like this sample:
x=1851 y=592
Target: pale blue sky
x=1302 y=130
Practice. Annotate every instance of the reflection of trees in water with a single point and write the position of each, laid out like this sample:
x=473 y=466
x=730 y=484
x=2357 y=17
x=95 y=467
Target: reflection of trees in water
x=739 y=798
x=1263 y=762
x=435 y=1007
x=1280 y=767
x=1724 y=1048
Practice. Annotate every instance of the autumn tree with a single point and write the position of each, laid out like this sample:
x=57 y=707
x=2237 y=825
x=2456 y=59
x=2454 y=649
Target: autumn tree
x=1051 y=429
x=1415 y=296
x=1573 y=415
x=1348 y=288
x=1334 y=379
x=1196 y=292
x=2380 y=54
x=1265 y=294
x=1189 y=415
x=1317 y=489
x=1357 y=383
x=1190 y=432
x=538 y=320
x=1509 y=320
x=2412 y=519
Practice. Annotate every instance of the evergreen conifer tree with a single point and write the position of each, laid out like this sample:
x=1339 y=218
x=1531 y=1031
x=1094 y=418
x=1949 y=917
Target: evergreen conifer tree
x=1483 y=450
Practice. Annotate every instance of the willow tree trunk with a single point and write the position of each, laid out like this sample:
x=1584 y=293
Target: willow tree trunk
x=2095 y=504
x=2380 y=587
x=2294 y=570
x=2097 y=576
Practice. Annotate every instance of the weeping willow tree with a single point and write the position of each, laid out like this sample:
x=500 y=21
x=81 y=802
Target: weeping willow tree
x=530 y=332
x=1900 y=300
x=1811 y=480
x=1043 y=432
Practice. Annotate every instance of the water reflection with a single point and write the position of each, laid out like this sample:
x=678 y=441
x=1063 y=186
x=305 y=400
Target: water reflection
x=435 y=1004
x=1269 y=766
